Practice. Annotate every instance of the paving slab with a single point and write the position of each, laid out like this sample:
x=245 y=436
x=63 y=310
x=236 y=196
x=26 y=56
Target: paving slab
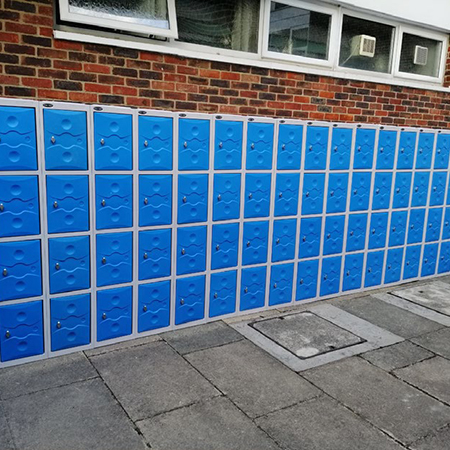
x=388 y=403
x=438 y=342
x=6 y=440
x=151 y=379
x=77 y=417
x=436 y=441
x=323 y=424
x=213 y=424
x=252 y=379
x=121 y=345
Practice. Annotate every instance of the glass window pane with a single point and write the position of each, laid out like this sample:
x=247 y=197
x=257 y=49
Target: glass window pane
x=351 y=46
x=298 y=31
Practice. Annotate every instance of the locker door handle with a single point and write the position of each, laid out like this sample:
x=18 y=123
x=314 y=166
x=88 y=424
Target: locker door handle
x=102 y=141
x=407 y=263
x=250 y=195
x=439 y=151
x=5 y=272
x=183 y=251
x=393 y=229
x=55 y=205
x=144 y=308
x=359 y=148
x=310 y=148
x=348 y=273
x=373 y=231
x=184 y=199
x=307 y=194
x=252 y=146
x=57 y=266
x=220 y=144
x=58 y=324
x=53 y=140
x=420 y=150
x=389 y=267
x=185 y=144
x=280 y=195
x=145 y=143
x=103 y=202
x=283 y=147
x=402 y=150
x=103 y=260
x=304 y=239
x=278 y=241
x=335 y=149
x=219 y=197
x=215 y=295
x=381 y=150
x=145 y=256
x=104 y=316
x=7 y=334
x=355 y=191
x=369 y=270
x=2 y=207
x=301 y=281
x=416 y=189
x=377 y=191
x=328 y=236
x=246 y=290
x=146 y=201
x=331 y=193
x=248 y=243
x=182 y=301
x=425 y=260
x=325 y=277
x=275 y=285
x=352 y=233
x=217 y=247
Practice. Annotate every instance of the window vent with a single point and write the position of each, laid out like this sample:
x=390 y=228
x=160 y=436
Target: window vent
x=420 y=55
x=363 y=45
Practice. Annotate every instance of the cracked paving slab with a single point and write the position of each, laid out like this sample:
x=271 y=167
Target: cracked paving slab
x=437 y=342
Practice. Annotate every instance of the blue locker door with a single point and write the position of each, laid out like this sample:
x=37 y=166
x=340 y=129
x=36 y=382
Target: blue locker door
x=310 y=234
x=281 y=279
x=227 y=196
x=434 y=223
x=397 y=232
x=155 y=200
x=191 y=250
x=307 y=273
x=364 y=148
x=190 y=300
x=193 y=144
x=312 y=195
x=333 y=235
x=429 y=259
x=337 y=192
x=444 y=258
x=228 y=145
x=114 y=258
x=425 y=151
x=154 y=306
x=225 y=243
x=442 y=151
x=382 y=190
x=331 y=274
x=113 y=141
x=402 y=190
x=378 y=230
x=394 y=260
x=20 y=266
x=446 y=225
x=17 y=138
x=65 y=139
x=353 y=271
x=374 y=268
x=222 y=297
x=257 y=195
x=155 y=254
x=67 y=203
x=406 y=149
x=253 y=288
x=290 y=138
x=21 y=330
x=254 y=248
x=420 y=189
x=192 y=198
x=438 y=185
x=19 y=206
x=283 y=242
x=416 y=224
x=259 y=146
x=412 y=262
x=387 y=142
x=316 y=148
x=360 y=194
x=356 y=232
x=341 y=145
x=155 y=143
x=286 y=195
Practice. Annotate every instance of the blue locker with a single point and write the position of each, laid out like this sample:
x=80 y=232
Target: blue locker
x=21 y=330
x=378 y=230
x=290 y=138
x=191 y=250
x=193 y=144
x=356 y=232
x=429 y=259
x=312 y=196
x=114 y=258
x=65 y=140
x=154 y=306
x=438 y=185
x=155 y=200
x=225 y=243
x=253 y=288
x=286 y=196
x=412 y=262
x=364 y=148
x=70 y=321
x=222 y=297
x=114 y=313
x=397 y=232
x=19 y=206
x=446 y=225
x=20 y=265
x=316 y=148
x=283 y=242
x=190 y=299
x=155 y=254
x=228 y=145
x=406 y=149
x=281 y=279
x=374 y=268
x=331 y=274
x=337 y=192
x=333 y=235
x=227 y=196
x=17 y=138
x=416 y=224
x=382 y=190
x=155 y=143
x=402 y=190
x=192 y=198
x=257 y=195
x=434 y=223
x=394 y=260
x=310 y=234
x=114 y=201
x=444 y=258
x=360 y=194
x=387 y=142
x=341 y=146
x=353 y=268
x=420 y=189
x=254 y=248
x=67 y=203
x=259 y=146
x=442 y=151
x=307 y=273
x=113 y=141
x=425 y=151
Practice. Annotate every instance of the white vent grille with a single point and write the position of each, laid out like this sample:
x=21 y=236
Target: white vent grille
x=420 y=55
x=363 y=45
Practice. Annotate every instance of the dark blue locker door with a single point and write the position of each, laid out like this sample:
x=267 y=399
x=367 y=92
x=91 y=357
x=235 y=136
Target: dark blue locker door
x=444 y=258
x=316 y=148
x=114 y=201
x=337 y=192
x=154 y=306
x=429 y=259
x=155 y=200
x=420 y=189
x=70 y=321
x=114 y=258
x=382 y=190
x=438 y=185
x=397 y=232
x=283 y=242
x=286 y=194
x=19 y=206
x=387 y=142
x=155 y=143
x=416 y=224
x=356 y=232
x=225 y=243
x=228 y=145
x=20 y=266
x=67 y=203
x=331 y=274
x=290 y=138
x=192 y=198
x=378 y=230
x=190 y=299
x=114 y=313
x=442 y=151
x=227 y=196
x=259 y=146
x=65 y=139
x=394 y=261
x=312 y=195
x=155 y=253
x=222 y=297
x=193 y=144
x=360 y=194
x=425 y=151
x=434 y=224
x=191 y=250
x=412 y=262
x=113 y=141
x=406 y=149
x=257 y=195
x=353 y=268
x=402 y=190
x=281 y=279
x=307 y=273
x=253 y=288
x=364 y=148
x=17 y=138
x=254 y=248
x=374 y=268
x=21 y=331
x=341 y=145
x=446 y=225
x=333 y=235
x=310 y=234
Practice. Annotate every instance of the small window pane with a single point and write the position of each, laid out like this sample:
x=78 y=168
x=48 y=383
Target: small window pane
x=298 y=31
x=358 y=48
x=420 y=55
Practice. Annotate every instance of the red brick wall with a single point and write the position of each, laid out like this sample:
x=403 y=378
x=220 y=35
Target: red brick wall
x=35 y=65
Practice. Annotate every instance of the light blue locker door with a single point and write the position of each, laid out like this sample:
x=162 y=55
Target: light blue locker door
x=155 y=143
x=402 y=190
x=425 y=151
x=394 y=261
x=382 y=190
x=191 y=250
x=283 y=241
x=286 y=194
x=254 y=248
x=65 y=140
x=360 y=194
x=387 y=142
x=429 y=259
x=259 y=146
x=378 y=230
x=222 y=297
x=356 y=232
x=257 y=195
x=374 y=268
x=155 y=200
x=434 y=223
x=227 y=196
x=67 y=203
x=281 y=279
x=193 y=144
x=341 y=146
x=337 y=192
x=155 y=254
x=290 y=138
x=412 y=261
x=113 y=141
x=307 y=273
x=19 y=206
x=190 y=299
x=17 y=138
x=192 y=198
x=253 y=288
x=310 y=234
x=406 y=149
x=420 y=189
x=353 y=268
x=442 y=153
x=438 y=185
x=20 y=265
x=333 y=235
x=331 y=275
x=154 y=306
x=444 y=258
x=364 y=148
x=397 y=232
x=416 y=224
x=228 y=145
x=225 y=243
x=446 y=225
x=316 y=148
x=312 y=195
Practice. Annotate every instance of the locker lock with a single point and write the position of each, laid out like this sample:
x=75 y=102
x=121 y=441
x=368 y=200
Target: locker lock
x=416 y=189
x=310 y=148
x=185 y=144
x=352 y=233
x=373 y=231
x=103 y=260
x=328 y=235
x=7 y=334
x=246 y=289
x=393 y=229
x=215 y=295
x=301 y=281
x=182 y=301
x=355 y=191
x=5 y=272
x=250 y=195
x=183 y=251
x=275 y=285
x=220 y=144
x=217 y=247
x=402 y=150
x=348 y=273
x=53 y=140
x=425 y=260
x=304 y=238
x=307 y=194
x=280 y=195
x=283 y=147
x=2 y=208
x=184 y=199
x=55 y=205
x=439 y=150
x=248 y=243
x=145 y=143
x=325 y=277
x=335 y=149
x=331 y=193
x=104 y=316
x=377 y=191
x=434 y=188
x=407 y=263
x=381 y=150
x=420 y=150
x=103 y=202
x=57 y=266
x=102 y=141
x=145 y=256
x=359 y=148
x=144 y=308
x=389 y=266
x=446 y=224
x=369 y=269
x=430 y=225
x=219 y=197
x=398 y=190
x=412 y=226
x=58 y=324
x=252 y=146
x=278 y=240
x=145 y=201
